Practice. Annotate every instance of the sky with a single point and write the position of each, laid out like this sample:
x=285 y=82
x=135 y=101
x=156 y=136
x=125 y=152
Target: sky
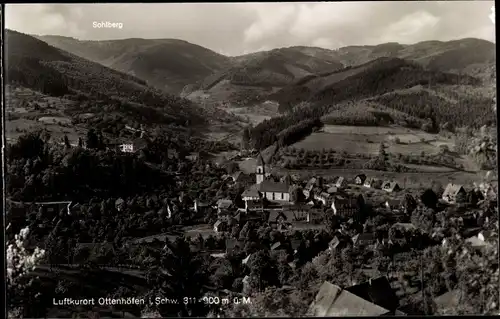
x=240 y=28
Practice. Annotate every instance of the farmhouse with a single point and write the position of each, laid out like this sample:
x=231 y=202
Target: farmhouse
x=359 y=179
x=452 y=191
x=391 y=186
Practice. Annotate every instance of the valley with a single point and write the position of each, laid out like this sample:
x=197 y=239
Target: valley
x=288 y=176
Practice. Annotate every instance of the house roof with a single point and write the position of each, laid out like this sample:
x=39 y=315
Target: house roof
x=364 y=237
x=450 y=299
x=390 y=185
x=332 y=190
x=361 y=176
x=476 y=242
x=252 y=191
x=346 y=200
x=236 y=175
x=452 y=189
x=270 y=186
x=295 y=244
x=340 y=180
x=276 y=246
x=260 y=160
x=406 y=226
x=378 y=291
x=323 y=195
x=287 y=179
x=245 y=261
x=140 y=143
x=310 y=184
x=218 y=223
x=332 y=300
x=288 y=215
x=232 y=244
x=393 y=202
x=224 y=203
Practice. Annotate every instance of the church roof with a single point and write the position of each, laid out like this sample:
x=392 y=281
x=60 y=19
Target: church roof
x=260 y=160
x=270 y=186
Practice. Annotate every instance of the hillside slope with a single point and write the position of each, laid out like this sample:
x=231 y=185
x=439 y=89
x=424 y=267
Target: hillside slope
x=253 y=76
x=471 y=56
x=112 y=96
x=398 y=87
x=167 y=64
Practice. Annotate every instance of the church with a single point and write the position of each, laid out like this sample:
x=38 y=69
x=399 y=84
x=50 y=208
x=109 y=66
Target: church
x=267 y=188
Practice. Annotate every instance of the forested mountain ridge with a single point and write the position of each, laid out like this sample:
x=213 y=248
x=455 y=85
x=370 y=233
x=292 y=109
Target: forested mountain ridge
x=421 y=96
x=167 y=64
x=111 y=95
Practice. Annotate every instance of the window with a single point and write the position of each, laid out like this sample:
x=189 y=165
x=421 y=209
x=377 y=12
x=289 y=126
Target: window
x=282 y=196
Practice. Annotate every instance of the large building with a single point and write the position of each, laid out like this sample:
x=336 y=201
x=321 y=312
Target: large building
x=267 y=188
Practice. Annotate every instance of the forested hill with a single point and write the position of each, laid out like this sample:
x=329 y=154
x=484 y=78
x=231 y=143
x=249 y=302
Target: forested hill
x=419 y=95
x=112 y=96
x=167 y=64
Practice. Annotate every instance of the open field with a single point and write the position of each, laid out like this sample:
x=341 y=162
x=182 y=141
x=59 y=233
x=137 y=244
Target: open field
x=367 y=139
x=28 y=111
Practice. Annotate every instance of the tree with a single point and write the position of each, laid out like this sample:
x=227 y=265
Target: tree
x=92 y=141
x=66 y=142
x=429 y=198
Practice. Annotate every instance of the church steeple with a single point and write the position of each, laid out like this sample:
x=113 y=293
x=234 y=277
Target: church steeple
x=260 y=169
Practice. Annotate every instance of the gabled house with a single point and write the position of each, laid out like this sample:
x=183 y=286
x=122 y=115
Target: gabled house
x=341 y=182
x=364 y=239
x=332 y=190
x=359 y=179
x=323 y=197
x=251 y=194
x=452 y=191
x=134 y=146
x=347 y=206
x=273 y=191
x=372 y=183
x=391 y=186
x=237 y=177
x=308 y=189
x=378 y=291
x=333 y=301
x=220 y=226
